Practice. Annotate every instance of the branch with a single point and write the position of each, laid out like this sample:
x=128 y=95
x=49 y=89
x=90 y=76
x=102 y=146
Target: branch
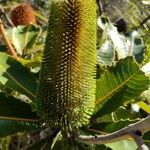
x=132 y=131
x=9 y=45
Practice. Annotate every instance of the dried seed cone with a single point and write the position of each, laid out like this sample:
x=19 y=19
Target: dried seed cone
x=66 y=90
x=23 y=15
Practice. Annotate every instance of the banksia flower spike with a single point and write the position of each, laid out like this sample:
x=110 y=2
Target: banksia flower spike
x=66 y=90
x=23 y=15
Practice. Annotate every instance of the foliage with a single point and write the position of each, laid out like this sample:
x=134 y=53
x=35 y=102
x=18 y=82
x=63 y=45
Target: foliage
x=122 y=81
x=23 y=37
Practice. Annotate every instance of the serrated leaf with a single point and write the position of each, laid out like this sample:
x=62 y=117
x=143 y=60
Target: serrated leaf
x=111 y=126
x=114 y=126
x=118 y=85
x=13 y=109
x=123 y=114
x=23 y=37
x=9 y=127
x=15 y=76
x=104 y=119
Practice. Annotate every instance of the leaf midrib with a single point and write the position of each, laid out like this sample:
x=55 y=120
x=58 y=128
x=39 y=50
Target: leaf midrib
x=114 y=90
x=19 y=119
x=4 y=70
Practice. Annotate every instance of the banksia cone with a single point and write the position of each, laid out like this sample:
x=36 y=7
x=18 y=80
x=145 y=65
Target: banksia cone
x=23 y=15
x=66 y=90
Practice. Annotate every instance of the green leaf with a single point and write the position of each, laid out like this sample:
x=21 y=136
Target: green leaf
x=115 y=126
x=15 y=76
x=9 y=127
x=23 y=37
x=110 y=126
x=16 y=116
x=121 y=114
x=34 y=62
x=123 y=145
x=14 y=109
x=118 y=85
x=112 y=41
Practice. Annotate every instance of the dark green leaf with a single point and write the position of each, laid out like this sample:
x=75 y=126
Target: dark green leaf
x=124 y=114
x=39 y=145
x=14 y=109
x=3 y=48
x=118 y=85
x=109 y=127
x=9 y=127
x=120 y=114
x=15 y=76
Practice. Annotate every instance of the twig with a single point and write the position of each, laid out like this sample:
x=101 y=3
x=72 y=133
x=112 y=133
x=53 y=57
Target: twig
x=140 y=143
x=9 y=45
x=125 y=133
